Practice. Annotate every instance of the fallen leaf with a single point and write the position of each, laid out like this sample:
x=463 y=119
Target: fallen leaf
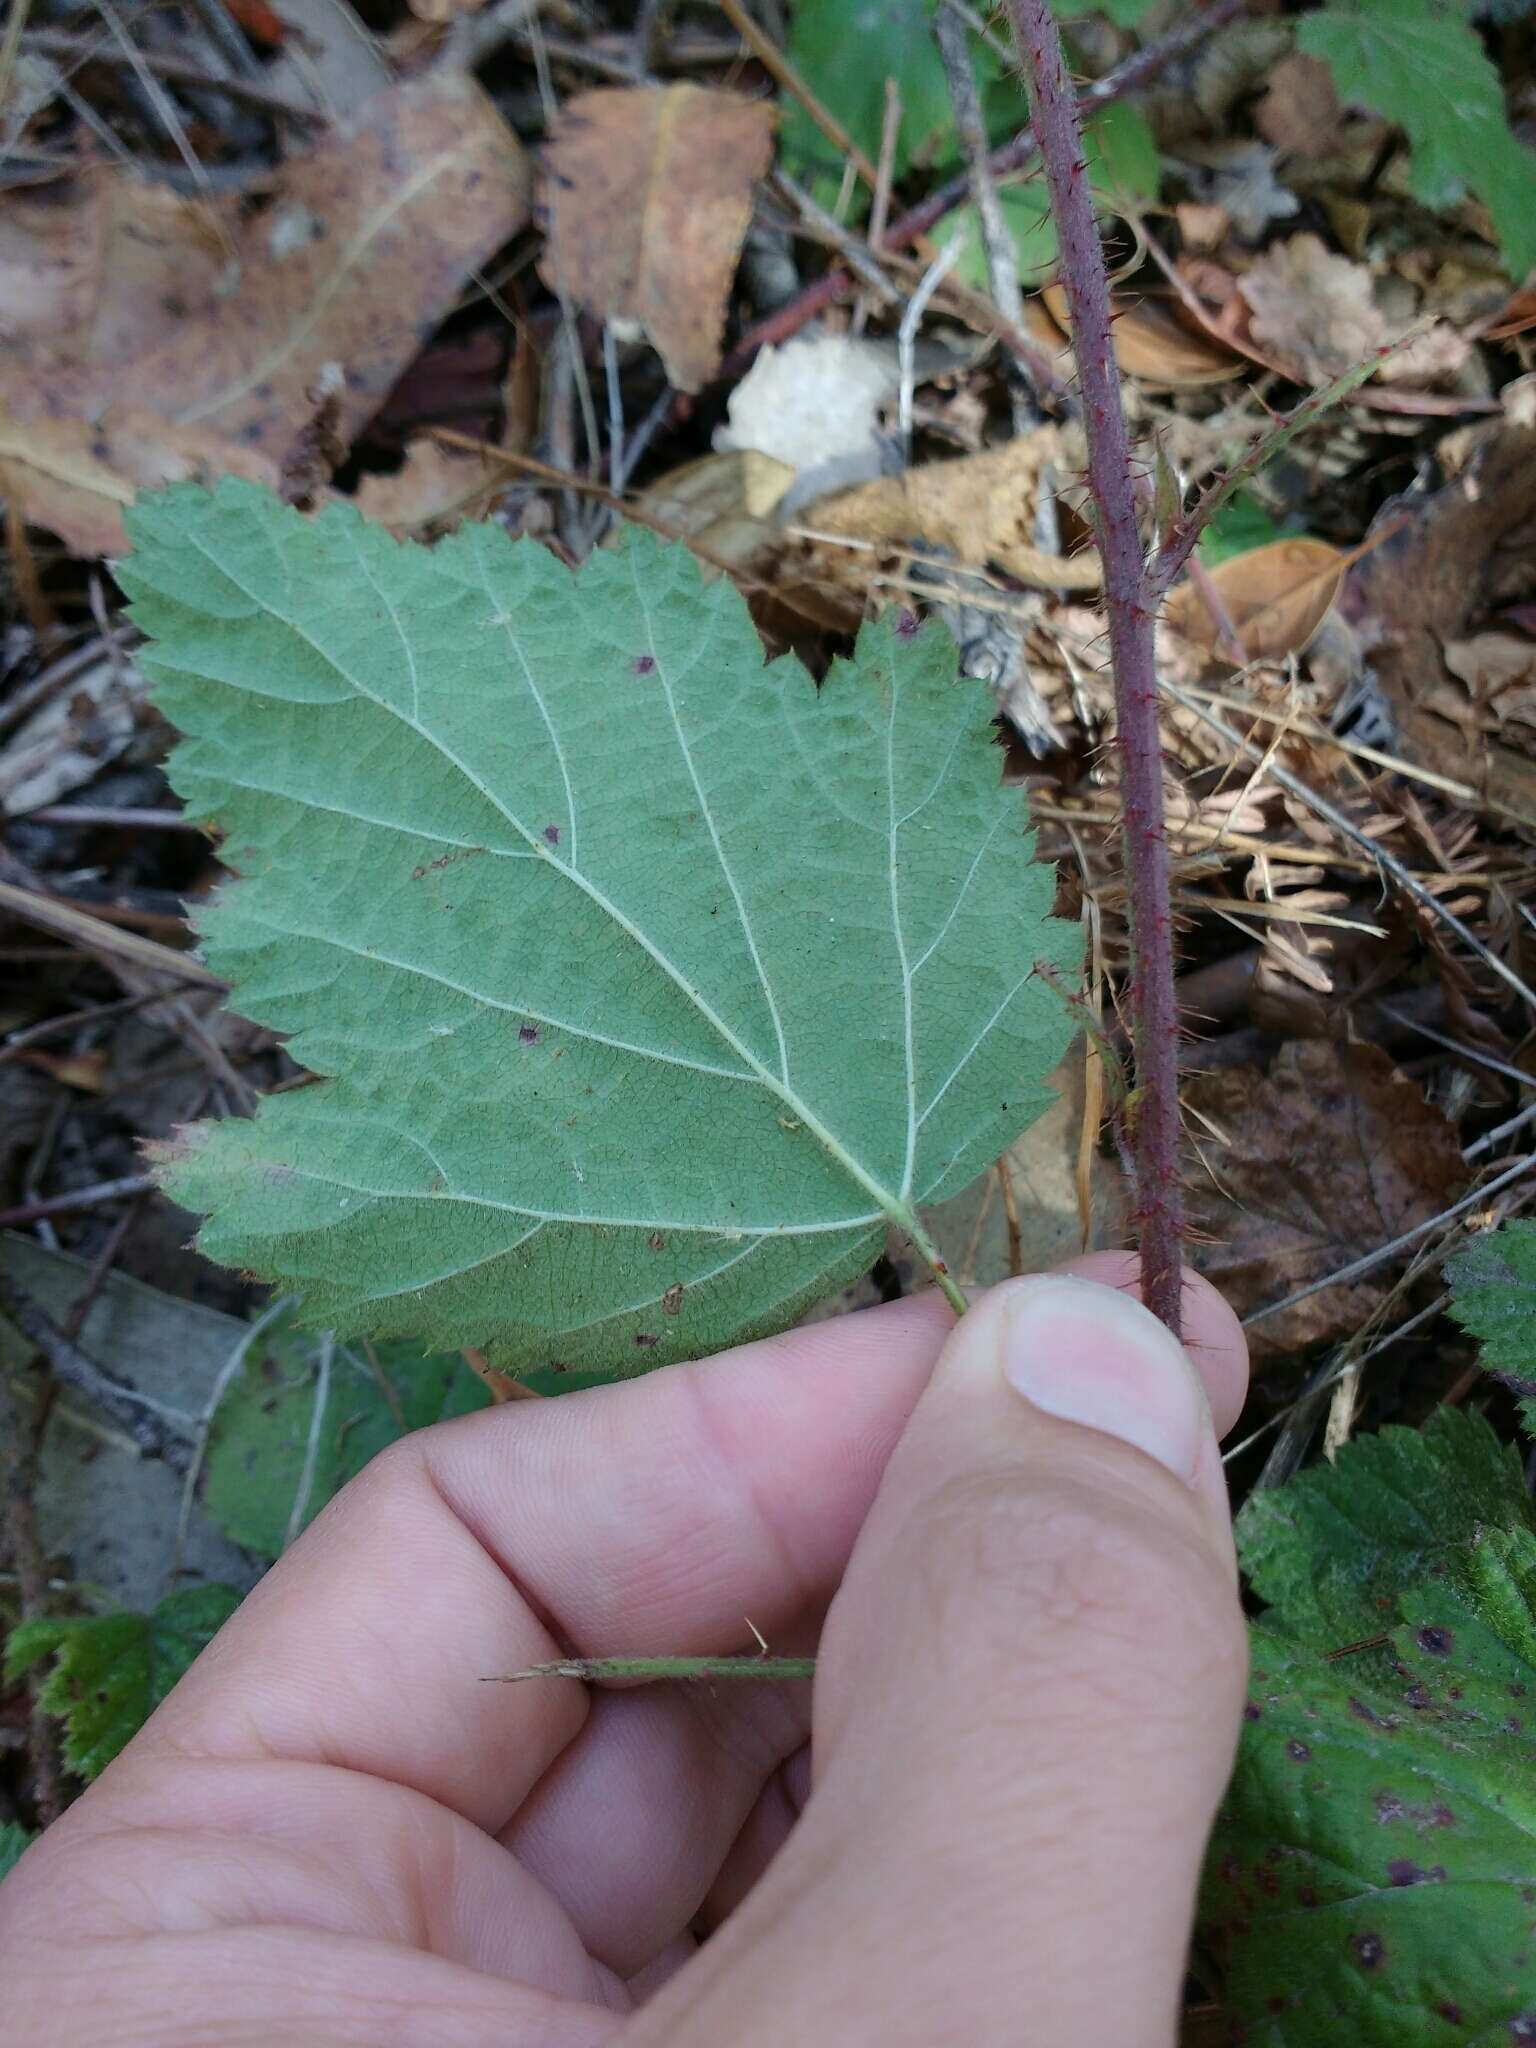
x=814 y=404
x=433 y=486
x=1433 y=562
x=725 y=504
x=1276 y=597
x=1240 y=178
x=1499 y=669
x=76 y=477
x=1325 y=1158
x=649 y=192
x=1151 y=343
x=1315 y=311
x=1300 y=112
x=981 y=508
x=365 y=243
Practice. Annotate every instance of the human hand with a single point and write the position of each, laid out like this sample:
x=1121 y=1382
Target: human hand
x=1030 y=1682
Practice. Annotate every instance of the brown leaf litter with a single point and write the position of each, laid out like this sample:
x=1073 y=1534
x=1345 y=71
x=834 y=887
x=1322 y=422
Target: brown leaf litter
x=206 y=345
x=1322 y=1160
x=648 y=192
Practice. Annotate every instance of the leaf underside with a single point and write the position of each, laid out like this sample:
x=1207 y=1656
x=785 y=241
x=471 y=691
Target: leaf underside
x=649 y=981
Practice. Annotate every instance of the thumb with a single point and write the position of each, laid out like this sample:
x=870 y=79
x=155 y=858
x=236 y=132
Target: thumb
x=1027 y=1701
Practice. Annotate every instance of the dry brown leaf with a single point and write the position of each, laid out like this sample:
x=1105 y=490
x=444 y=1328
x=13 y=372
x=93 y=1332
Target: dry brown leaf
x=1276 y=597
x=433 y=486
x=1435 y=561
x=1313 y=310
x=648 y=191
x=1300 y=110
x=1328 y=1156
x=75 y=476
x=979 y=507
x=1500 y=671
x=1152 y=344
x=365 y=244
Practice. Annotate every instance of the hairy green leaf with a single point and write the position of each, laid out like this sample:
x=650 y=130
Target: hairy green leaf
x=1371 y=1875
x=13 y=1839
x=1423 y=67
x=649 y=980
x=1331 y=1553
x=111 y=1671
x=1493 y=1297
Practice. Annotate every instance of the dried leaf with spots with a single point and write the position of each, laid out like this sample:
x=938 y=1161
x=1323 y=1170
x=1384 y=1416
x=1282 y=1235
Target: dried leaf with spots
x=1276 y=598
x=648 y=192
x=1151 y=343
x=980 y=508
x=1326 y=1157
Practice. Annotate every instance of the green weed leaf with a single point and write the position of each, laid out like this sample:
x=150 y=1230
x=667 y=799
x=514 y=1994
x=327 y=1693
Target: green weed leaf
x=306 y=1415
x=1331 y=1553
x=111 y=1671
x=649 y=980
x=1370 y=1876
x=1423 y=67
x=13 y=1839
x=1493 y=1297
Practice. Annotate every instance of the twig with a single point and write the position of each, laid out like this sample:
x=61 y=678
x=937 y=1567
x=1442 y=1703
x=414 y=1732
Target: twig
x=93 y=1197
x=830 y=231
x=1130 y=612
x=997 y=243
x=147 y=1424
x=125 y=817
x=53 y=42
x=596 y=1669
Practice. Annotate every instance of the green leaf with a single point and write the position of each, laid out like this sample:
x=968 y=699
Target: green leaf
x=1370 y=1878
x=13 y=1839
x=1332 y=1552
x=845 y=50
x=1493 y=1297
x=112 y=1670
x=1237 y=528
x=307 y=1415
x=1423 y=67
x=650 y=981
x=1371 y=1872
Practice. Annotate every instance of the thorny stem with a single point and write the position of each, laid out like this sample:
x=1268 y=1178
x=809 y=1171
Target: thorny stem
x=1130 y=607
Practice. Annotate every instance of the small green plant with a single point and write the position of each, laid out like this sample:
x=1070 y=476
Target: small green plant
x=1370 y=1876
x=110 y=1671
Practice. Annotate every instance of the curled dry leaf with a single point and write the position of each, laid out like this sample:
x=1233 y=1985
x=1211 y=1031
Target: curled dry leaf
x=1315 y=311
x=366 y=242
x=981 y=508
x=1151 y=343
x=433 y=486
x=1327 y=1157
x=648 y=192
x=1276 y=598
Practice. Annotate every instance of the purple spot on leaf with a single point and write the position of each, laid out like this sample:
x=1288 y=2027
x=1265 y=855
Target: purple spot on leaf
x=1298 y=1752
x=527 y=1034
x=1371 y=1951
x=645 y=1340
x=1439 y=1642
x=552 y=834
x=906 y=624
x=644 y=664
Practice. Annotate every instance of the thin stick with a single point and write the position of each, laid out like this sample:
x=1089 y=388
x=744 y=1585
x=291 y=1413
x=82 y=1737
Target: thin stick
x=594 y=1670
x=1111 y=480
x=151 y=1427
x=93 y=1197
